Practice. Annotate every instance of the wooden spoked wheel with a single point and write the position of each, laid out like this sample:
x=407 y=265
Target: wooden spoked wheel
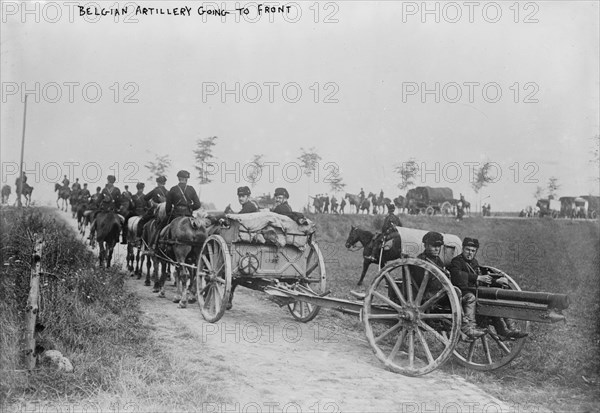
x=412 y=316
x=430 y=211
x=489 y=351
x=214 y=278
x=315 y=282
x=446 y=208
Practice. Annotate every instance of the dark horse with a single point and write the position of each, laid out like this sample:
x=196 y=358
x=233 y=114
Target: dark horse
x=365 y=238
x=5 y=193
x=108 y=228
x=63 y=193
x=181 y=242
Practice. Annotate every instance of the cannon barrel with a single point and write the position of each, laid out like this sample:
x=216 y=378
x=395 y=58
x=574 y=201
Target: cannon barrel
x=553 y=301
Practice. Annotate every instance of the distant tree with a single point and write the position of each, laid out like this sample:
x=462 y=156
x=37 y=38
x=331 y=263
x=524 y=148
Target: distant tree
x=408 y=171
x=553 y=186
x=539 y=193
x=158 y=167
x=309 y=160
x=482 y=176
x=203 y=154
x=255 y=169
x=335 y=180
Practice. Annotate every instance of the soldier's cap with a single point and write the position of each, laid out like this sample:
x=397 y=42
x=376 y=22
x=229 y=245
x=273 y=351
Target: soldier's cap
x=391 y=207
x=183 y=174
x=126 y=186
x=281 y=191
x=111 y=179
x=433 y=238
x=470 y=242
x=140 y=185
x=98 y=189
x=161 y=179
x=243 y=190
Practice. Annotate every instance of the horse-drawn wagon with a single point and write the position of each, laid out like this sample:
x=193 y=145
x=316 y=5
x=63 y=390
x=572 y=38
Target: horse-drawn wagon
x=258 y=250
x=548 y=207
x=411 y=312
x=430 y=201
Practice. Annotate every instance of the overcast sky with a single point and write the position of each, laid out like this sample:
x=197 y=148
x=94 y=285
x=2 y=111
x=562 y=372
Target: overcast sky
x=518 y=86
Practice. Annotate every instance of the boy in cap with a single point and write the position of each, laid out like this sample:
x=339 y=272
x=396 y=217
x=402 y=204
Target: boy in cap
x=465 y=273
x=243 y=193
x=281 y=205
x=433 y=242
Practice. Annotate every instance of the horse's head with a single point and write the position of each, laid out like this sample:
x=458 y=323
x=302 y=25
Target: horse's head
x=57 y=187
x=353 y=237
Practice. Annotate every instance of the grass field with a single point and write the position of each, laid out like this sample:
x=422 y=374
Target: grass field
x=560 y=364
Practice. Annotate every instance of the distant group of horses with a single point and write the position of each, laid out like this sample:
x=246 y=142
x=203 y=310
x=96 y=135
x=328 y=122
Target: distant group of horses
x=27 y=191
x=178 y=244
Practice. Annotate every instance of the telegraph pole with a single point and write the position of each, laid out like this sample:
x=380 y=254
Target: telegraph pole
x=20 y=189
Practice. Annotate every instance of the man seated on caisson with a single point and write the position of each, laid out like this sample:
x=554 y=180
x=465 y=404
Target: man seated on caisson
x=466 y=274
x=281 y=201
x=248 y=206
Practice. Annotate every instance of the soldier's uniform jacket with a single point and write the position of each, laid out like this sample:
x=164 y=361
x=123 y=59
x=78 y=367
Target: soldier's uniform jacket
x=110 y=198
x=76 y=187
x=389 y=222
x=157 y=195
x=95 y=201
x=182 y=200
x=84 y=195
x=436 y=260
x=283 y=208
x=139 y=204
x=463 y=273
x=248 y=208
x=66 y=182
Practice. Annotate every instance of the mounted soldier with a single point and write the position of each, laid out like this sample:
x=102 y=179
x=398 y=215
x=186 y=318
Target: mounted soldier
x=248 y=206
x=153 y=198
x=137 y=207
x=110 y=199
x=361 y=195
x=66 y=182
x=76 y=188
x=84 y=195
x=389 y=223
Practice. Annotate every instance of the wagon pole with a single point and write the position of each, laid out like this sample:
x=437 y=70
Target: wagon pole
x=20 y=189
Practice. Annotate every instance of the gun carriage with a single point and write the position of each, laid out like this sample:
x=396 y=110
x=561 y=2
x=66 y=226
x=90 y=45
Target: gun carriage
x=411 y=312
x=430 y=201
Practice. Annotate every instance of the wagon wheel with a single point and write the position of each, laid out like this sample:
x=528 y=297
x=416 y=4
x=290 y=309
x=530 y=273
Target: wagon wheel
x=593 y=214
x=430 y=211
x=488 y=352
x=446 y=208
x=412 y=316
x=315 y=282
x=214 y=278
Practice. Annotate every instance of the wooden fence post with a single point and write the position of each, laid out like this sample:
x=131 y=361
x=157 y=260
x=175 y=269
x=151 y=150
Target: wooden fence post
x=32 y=308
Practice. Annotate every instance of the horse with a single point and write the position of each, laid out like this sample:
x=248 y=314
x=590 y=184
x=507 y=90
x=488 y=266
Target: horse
x=74 y=201
x=401 y=203
x=181 y=241
x=360 y=205
x=64 y=192
x=134 y=241
x=5 y=193
x=365 y=237
x=27 y=191
x=379 y=204
x=108 y=228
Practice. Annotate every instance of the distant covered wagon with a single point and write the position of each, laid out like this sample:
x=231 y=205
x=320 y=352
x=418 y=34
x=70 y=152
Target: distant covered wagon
x=430 y=201
x=593 y=205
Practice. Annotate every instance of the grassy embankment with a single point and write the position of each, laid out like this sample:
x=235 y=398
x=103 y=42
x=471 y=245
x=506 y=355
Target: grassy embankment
x=91 y=319
x=559 y=366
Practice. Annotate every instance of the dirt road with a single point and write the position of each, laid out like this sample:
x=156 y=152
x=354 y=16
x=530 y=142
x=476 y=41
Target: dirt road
x=258 y=358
